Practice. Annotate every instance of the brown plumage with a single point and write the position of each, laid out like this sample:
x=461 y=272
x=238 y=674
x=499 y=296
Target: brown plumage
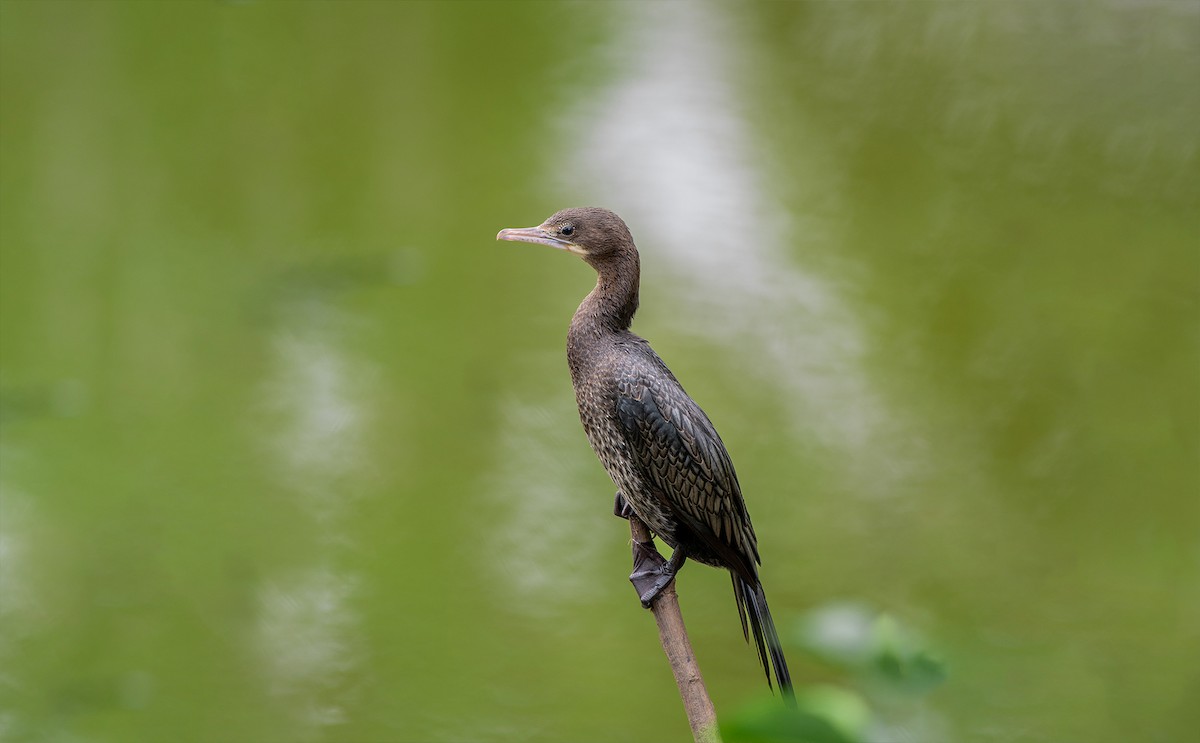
x=656 y=443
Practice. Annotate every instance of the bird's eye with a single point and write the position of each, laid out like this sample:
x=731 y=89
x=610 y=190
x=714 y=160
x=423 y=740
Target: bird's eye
x=567 y=230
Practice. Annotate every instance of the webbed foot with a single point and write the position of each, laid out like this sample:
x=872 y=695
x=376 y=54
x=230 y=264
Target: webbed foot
x=651 y=573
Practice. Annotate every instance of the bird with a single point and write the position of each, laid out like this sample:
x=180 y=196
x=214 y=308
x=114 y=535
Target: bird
x=670 y=466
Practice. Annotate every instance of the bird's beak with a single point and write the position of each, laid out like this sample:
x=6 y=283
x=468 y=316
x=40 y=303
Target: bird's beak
x=539 y=235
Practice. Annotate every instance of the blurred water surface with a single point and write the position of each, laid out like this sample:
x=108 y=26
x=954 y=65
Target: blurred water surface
x=289 y=450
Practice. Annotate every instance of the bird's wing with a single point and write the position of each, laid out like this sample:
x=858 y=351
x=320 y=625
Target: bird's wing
x=680 y=456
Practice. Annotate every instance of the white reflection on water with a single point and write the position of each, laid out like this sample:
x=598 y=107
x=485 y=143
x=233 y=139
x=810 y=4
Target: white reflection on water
x=17 y=601
x=318 y=392
x=305 y=636
x=539 y=556
x=306 y=626
x=666 y=144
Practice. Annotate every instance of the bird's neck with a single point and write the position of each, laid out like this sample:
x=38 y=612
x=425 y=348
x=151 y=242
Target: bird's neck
x=610 y=307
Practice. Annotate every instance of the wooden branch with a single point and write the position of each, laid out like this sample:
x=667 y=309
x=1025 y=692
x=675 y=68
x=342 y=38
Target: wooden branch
x=673 y=636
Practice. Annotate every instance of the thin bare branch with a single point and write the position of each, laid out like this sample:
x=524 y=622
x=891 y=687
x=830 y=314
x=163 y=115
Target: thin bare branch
x=673 y=635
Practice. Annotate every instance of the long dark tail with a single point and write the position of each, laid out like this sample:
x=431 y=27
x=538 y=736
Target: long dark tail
x=752 y=603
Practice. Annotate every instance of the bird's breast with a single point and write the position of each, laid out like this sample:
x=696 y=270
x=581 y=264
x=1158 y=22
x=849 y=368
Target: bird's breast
x=596 y=395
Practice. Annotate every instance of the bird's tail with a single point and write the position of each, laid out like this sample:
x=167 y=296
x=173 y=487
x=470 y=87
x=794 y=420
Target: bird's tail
x=752 y=603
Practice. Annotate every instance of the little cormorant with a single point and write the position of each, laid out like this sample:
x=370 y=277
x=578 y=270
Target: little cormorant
x=661 y=450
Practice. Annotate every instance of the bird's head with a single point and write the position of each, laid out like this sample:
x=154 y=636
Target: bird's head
x=594 y=234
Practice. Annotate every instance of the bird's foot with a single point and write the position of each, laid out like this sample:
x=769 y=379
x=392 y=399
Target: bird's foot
x=622 y=509
x=647 y=570
x=651 y=573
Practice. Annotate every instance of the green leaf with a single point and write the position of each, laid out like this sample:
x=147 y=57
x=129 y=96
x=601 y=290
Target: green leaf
x=823 y=714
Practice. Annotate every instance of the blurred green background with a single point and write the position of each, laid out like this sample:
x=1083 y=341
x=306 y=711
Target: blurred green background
x=289 y=450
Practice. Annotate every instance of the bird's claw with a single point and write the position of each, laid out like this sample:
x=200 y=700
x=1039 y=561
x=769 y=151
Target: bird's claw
x=649 y=576
x=621 y=507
